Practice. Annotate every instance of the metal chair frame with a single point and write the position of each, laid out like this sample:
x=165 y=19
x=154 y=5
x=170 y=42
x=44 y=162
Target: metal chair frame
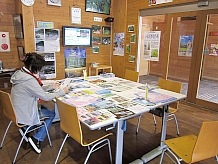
x=8 y=111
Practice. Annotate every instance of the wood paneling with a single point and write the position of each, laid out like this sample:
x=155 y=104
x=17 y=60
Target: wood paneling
x=125 y=13
x=133 y=8
x=41 y=11
x=61 y=17
x=119 y=26
x=28 y=27
x=7 y=9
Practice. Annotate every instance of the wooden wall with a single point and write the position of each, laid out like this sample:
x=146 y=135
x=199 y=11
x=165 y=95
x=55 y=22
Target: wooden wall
x=41 y=11
x=119 y=26
x=133 y=8
x=125 y=12
x=61 y=17
x=7 y=9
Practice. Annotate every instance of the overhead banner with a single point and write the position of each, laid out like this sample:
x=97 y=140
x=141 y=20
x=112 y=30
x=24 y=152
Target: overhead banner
x=152 y=45
x=4 y=42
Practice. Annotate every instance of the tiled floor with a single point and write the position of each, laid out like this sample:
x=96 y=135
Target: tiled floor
x=208 y=89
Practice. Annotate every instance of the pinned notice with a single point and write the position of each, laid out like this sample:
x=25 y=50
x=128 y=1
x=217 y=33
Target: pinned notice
x=4 y=42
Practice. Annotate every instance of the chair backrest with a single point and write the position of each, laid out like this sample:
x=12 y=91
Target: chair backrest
x=171 y=86
x=7 y=106
x=131 y=75
x=69 y=120
x=207 y=143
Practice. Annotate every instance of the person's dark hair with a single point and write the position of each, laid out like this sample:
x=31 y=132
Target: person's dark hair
x=34 y=62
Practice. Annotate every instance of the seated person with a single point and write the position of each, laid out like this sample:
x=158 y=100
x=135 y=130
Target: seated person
x=25 y=93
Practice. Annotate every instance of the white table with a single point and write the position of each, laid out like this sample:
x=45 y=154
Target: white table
x=157 y=151
x=121 y=121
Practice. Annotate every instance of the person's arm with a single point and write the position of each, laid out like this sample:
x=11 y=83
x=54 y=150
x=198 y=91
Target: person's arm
x=51 y=86
x=37 y=91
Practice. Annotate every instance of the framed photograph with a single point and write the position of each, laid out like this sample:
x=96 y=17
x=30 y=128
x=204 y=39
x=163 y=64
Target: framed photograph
x=100 y=6
x=54 y=2
x=132 y=38
x=128 y=48
x=106 y=30
x=21 y=53
x=96 y=40
x=95 y=49
x=131 y=58
x=131 y=28
x=106 y=40
x=96 y=29
x=18 y=27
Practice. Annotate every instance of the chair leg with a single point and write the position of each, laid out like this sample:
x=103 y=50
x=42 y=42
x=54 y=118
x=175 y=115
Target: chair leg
x=109 y=149
x=59 y=152
x=47 y=134
x=96 y=144
x=138 y=124
x=21 y=141
x=155 y=122
x=177 y=159
x=6 y=131
x=177 y=125
x=162 y=155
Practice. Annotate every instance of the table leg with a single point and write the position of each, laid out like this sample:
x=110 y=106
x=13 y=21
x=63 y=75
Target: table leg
x=96 y=71
x=157 y=151
x=119 y=144
x=164 y=125
x=90 y=71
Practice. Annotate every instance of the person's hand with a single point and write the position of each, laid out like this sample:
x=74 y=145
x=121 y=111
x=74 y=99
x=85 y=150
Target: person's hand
x=55 y=85
x=66 y=89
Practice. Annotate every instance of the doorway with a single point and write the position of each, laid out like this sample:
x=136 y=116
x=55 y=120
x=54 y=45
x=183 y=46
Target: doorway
x=183 y=51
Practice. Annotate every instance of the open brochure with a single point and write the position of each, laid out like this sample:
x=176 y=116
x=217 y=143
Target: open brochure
x=65 y=83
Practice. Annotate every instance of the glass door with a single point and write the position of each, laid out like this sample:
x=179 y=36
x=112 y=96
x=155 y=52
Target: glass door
x=180 y=54
x=208 y=82
x=188 y=50
x=151 y=50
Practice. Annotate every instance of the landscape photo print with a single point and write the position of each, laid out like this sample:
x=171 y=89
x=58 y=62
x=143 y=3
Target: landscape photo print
x=98 y=6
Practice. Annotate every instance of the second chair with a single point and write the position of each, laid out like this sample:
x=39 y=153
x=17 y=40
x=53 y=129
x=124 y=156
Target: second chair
x=131 y=75
x=171 y=86
x=192 y=148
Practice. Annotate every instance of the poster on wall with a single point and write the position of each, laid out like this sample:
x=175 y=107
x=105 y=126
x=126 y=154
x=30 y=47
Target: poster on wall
x=185 y=45
x=157 y=2
x=75 y=57
x=4 y=42
x=49 y=70
x=118 y=44
x=152 y=45
x=75 y=15
x=213 y=49
x=47 y=40
x=54 y=2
